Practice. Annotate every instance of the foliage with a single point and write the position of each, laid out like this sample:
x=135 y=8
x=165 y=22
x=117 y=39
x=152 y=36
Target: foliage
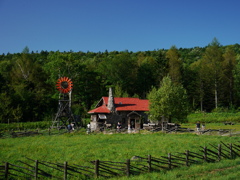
x=5 y=107
x=210 y=75
x=213 y=70
x=174 y=64
x=229 y=64
x=215 y=117
x=169 y=101
x=24 y=126
x=120 y=69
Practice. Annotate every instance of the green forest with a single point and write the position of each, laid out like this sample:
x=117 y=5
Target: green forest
x=210 y=75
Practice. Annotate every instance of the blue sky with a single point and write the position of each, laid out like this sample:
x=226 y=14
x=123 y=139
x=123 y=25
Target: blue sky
x=99 y=25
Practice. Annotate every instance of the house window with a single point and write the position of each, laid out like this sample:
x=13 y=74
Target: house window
x=102 y=116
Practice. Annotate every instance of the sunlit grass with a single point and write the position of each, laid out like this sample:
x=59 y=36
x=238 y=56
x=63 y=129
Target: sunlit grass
x=116 y=147
x=80 y=148
x=225 y=169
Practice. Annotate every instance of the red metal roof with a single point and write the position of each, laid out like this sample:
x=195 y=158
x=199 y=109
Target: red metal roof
x=123 y=104
x=101 y=109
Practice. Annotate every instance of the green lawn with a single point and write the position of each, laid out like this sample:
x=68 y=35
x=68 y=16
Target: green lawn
x=79 y=148
x=223 y=170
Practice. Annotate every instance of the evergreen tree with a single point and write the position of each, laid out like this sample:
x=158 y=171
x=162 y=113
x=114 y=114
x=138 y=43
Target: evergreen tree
x=174 y=64
x=229 y=64
x=213 y=61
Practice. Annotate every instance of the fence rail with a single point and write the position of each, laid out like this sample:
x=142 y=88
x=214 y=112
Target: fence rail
x=36 y=169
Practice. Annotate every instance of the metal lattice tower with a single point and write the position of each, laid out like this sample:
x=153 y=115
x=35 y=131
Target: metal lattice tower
x=64 y=115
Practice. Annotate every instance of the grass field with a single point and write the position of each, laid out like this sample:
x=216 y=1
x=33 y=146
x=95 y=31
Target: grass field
x=223 y=170
x=74 y=147
x=79 y=148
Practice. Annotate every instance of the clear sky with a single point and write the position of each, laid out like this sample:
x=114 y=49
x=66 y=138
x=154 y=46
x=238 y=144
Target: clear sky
x=99 y=25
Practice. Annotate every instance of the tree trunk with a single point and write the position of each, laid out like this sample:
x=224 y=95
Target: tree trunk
x=216 y=95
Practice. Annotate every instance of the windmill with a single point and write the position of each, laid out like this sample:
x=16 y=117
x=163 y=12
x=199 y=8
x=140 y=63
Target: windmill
x=64 y=115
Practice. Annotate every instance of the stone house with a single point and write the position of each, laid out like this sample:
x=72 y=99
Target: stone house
x=130 y=112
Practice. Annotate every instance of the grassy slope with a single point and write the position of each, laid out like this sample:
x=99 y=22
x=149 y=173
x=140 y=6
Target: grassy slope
x=78 y=148
x=225 y=169
x=81 y=148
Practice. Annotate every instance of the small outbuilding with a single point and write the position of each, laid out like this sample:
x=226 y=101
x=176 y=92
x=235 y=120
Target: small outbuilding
x=130 y=112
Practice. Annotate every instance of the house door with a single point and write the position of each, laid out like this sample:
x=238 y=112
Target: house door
x=132 y=123
x=134 y=120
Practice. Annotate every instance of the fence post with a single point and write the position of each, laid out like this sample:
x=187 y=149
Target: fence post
x=205 y=154
x=6 y=170
x=231 y=151
x=187 y=157
x=149 y=163
x=96 y=168
x=128 y=167
x=169 y=161
x=36 y=170
x=49 y=131
x=219 y=152
x=65 y=170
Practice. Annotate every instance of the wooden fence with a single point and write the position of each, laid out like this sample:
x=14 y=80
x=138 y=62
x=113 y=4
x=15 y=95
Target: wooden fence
x=35 y=169
x=24 y=133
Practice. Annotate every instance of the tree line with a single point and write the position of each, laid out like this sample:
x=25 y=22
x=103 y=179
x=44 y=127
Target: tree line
x=209 y=75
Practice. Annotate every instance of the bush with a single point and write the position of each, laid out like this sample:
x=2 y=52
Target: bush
x=215 y=117
x=25 y=125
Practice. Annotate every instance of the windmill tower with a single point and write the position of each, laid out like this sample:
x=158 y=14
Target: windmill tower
x=64 y=114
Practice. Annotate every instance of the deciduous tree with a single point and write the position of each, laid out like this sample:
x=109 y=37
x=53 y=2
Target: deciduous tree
x=169 y=101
